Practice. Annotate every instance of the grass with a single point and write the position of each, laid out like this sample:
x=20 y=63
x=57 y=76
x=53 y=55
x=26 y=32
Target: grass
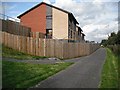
x=24 y=75
x=11 y=53
x=109 y=77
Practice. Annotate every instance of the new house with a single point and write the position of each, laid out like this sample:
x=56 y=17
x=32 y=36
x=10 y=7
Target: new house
x=52 y=21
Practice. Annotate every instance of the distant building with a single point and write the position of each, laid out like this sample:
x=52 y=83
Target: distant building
x=52 y=21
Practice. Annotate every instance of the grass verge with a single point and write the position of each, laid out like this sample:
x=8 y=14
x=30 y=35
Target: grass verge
x=109 y=77
x=11 y=53
x=24 y=75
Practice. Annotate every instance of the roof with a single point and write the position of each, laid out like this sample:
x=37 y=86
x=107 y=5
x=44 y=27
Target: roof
x=83 y=34
x=48 y=5
x=80 y=28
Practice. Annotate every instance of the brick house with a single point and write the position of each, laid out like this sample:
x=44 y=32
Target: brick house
x=52 y=21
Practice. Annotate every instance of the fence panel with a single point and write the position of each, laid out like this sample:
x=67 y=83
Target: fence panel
x=15 y=28
x=51 y=47
x=47 y=47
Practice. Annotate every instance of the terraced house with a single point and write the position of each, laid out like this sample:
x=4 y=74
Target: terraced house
x=52 y=21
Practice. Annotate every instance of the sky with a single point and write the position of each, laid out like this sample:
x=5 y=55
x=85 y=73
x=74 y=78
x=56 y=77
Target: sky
x=97 y=18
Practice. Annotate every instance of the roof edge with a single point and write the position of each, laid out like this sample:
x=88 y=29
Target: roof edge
x=39 y=5
x=83 y=34
x=48 y=5
x=29 y=10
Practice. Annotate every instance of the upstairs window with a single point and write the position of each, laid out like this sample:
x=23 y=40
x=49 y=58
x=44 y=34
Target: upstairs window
x=49 y=17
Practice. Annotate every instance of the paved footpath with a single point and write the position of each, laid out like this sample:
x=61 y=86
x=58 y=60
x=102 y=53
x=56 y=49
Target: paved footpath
x=85 y=73
x=43 y=61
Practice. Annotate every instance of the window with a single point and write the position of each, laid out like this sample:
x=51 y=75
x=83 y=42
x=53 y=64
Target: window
x=49 y=33
x=49 y=17
x=49 y=22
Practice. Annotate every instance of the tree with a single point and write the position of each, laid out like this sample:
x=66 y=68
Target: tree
x=118 y=38
x=112 y=39
x=104 y=42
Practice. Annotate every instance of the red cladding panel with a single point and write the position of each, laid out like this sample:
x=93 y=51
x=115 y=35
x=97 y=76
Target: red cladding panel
x=36 y=19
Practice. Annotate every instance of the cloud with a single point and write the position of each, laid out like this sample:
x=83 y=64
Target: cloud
x=14 y=19
x=21 y=0
x=6 y=6
x=47 y=1
x=100 y=1
x=14 y=12
x=1 y=10
x=97 y=18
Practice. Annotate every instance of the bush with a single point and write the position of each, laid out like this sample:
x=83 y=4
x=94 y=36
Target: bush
x=115 y=48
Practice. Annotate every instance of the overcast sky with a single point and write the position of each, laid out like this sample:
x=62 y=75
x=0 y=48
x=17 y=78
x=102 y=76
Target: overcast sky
x=97 y=18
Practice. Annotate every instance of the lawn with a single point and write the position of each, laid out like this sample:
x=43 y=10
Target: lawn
x=11 y=53
x=109 y=77
x=24 y=75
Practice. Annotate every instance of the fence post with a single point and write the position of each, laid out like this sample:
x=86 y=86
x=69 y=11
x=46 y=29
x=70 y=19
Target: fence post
x=44 y=46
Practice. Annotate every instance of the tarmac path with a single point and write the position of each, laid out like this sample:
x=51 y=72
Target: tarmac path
x=85 y=73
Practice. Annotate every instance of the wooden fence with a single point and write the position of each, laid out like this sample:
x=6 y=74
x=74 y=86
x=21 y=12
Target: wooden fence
x=16 y=28
x=47 y=47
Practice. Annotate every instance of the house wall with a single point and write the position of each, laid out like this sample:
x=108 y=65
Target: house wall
x=78 y=37
x=72 y=28
x=59 y=24
x=35 y=19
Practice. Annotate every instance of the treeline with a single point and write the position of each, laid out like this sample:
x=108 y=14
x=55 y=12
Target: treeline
x=113 y=42
x=113 y=39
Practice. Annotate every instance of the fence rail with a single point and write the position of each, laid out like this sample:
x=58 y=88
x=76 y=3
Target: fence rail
x=47 y=47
